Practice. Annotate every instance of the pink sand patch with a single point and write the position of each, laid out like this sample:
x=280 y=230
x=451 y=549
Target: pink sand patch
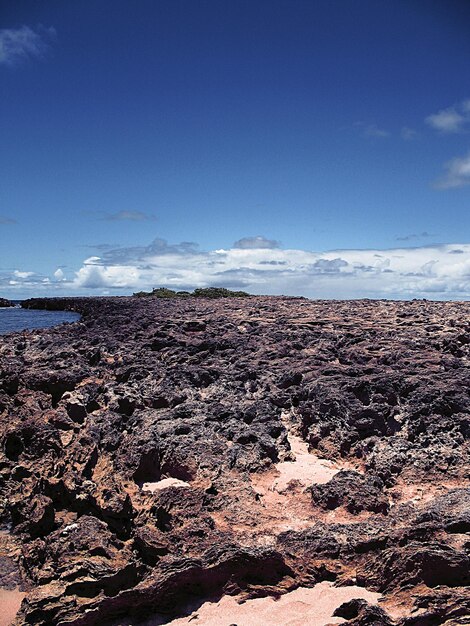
x=306 y=469
x=10 y=602
x=164 y=484
x=314 y=607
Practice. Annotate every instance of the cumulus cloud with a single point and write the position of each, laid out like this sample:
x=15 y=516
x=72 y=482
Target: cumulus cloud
x=93 y=275
x=20 y=44
x=19 y=274
x=457 y=173
x=253 y=243
x=59 y=274
x=454 y=119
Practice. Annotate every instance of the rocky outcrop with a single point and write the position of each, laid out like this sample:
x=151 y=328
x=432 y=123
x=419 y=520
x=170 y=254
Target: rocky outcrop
x=140 y=449
x=353 y=491
x=5 y=303
x=80 y=305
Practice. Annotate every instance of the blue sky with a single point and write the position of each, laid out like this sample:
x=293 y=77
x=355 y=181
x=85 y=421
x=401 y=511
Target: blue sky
x=291 y=147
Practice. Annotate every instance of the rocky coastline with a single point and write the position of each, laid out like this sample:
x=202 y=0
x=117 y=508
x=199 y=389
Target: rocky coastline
x=160 y=453
x=5 y=303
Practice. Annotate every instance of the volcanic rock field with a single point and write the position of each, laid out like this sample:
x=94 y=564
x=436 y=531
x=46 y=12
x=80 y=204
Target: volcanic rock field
x=252 y=461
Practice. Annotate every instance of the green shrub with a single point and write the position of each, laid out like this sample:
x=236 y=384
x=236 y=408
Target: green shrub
x=219 y=292
x=163 y=292
x=141 y=294
x=207 y=292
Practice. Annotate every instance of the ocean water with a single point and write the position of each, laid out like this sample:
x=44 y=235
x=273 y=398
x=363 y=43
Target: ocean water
x=13 y=319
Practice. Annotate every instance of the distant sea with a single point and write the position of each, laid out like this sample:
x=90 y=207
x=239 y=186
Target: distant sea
x=14 y=318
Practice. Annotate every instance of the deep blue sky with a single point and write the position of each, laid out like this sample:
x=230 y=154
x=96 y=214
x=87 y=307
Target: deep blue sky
x=212 y=121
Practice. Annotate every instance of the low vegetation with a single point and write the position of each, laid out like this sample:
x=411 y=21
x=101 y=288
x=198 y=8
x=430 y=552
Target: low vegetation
x=207 y=292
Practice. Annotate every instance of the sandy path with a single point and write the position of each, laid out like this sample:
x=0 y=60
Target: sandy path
x=314 y=607
x=307 y=468
x=10 y=602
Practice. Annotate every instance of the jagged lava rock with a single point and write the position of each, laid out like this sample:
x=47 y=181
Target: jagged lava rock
x=139 y=449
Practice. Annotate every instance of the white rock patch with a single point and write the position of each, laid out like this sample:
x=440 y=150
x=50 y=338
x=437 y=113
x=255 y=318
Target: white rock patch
x=164 y=484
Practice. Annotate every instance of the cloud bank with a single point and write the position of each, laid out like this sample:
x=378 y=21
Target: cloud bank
x=433 y=271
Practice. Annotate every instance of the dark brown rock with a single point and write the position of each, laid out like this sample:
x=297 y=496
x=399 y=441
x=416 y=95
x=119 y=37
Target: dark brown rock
x=353 y=491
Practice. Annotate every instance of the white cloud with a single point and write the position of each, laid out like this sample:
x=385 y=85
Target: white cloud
x=457 y=173
x=59 y=274
x=21 y=279
x=442 y=271
x=454 y=119
x=446 y=121
x=18 y=45
x=93 y=275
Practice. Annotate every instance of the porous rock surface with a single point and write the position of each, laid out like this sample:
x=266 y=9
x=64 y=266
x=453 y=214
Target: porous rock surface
x=204 y=395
